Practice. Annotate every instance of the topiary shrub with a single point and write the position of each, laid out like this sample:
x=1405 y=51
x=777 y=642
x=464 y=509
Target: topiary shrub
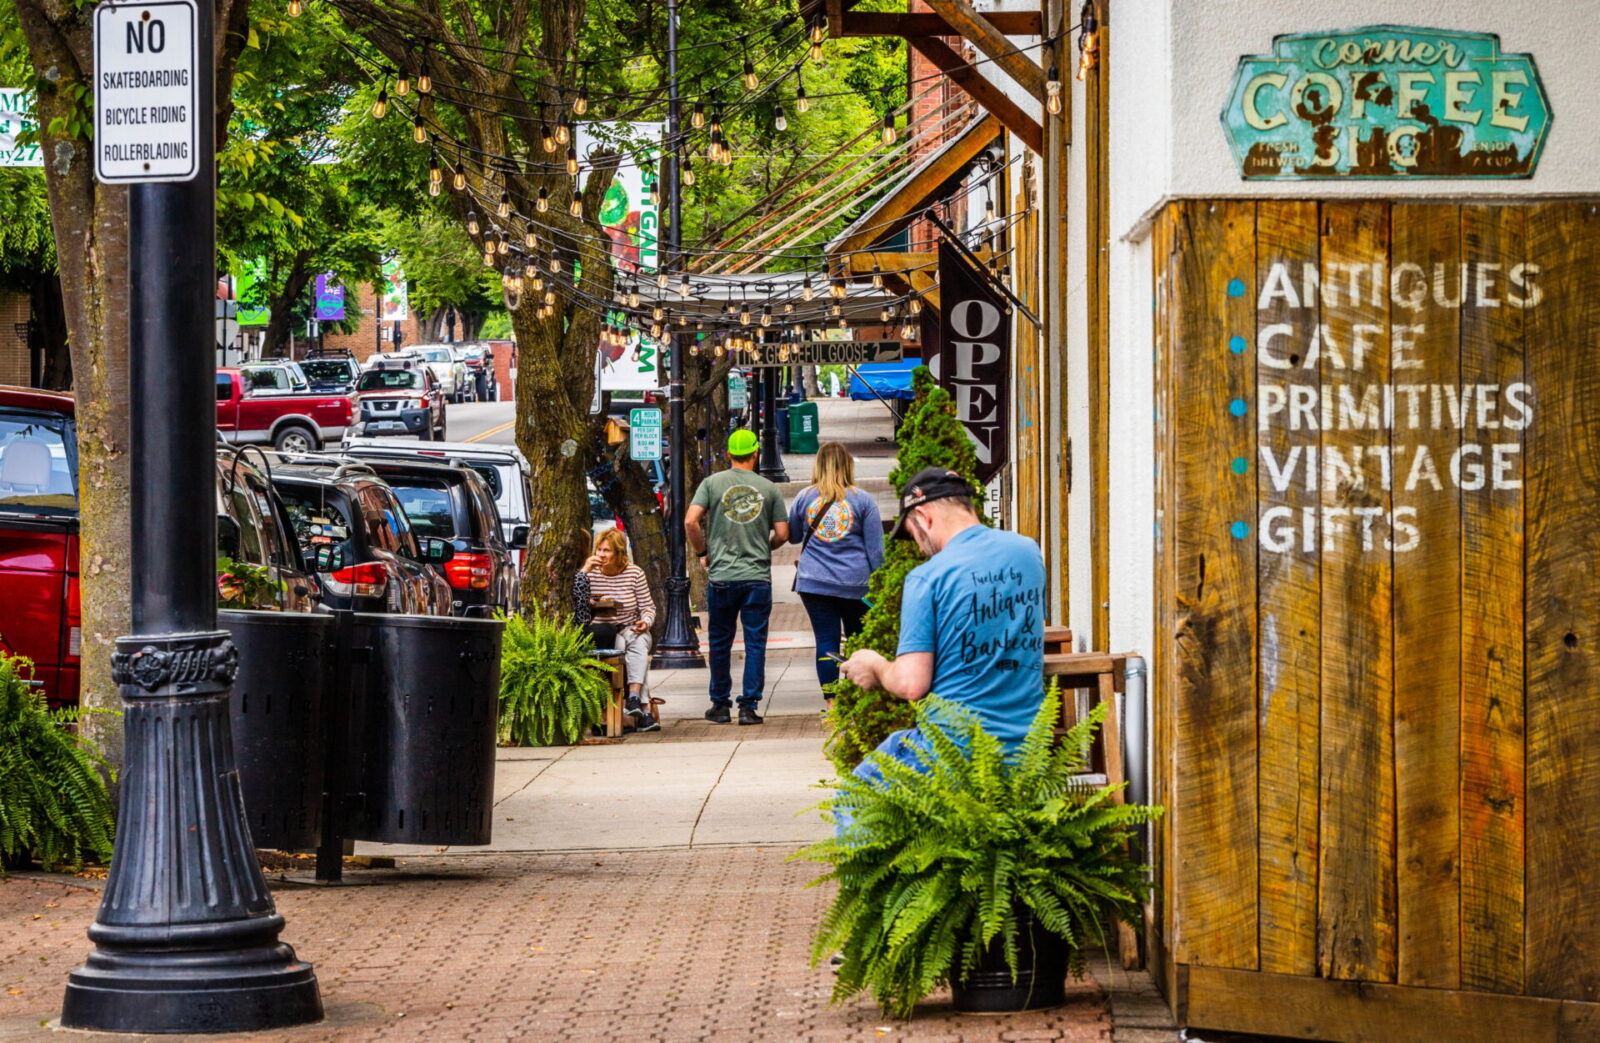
x=54 y=805
x=552 y=688
x=929 y=436
x=938 y=865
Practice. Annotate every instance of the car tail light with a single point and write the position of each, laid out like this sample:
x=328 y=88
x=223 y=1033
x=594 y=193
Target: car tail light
x=468 y=571
x=422 y=403
x=366 y=580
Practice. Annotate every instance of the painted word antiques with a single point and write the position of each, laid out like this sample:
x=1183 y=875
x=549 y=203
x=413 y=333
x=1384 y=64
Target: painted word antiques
x=1386 y=102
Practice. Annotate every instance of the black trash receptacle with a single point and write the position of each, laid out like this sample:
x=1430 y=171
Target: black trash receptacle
x=422 y=737
x=277 y=718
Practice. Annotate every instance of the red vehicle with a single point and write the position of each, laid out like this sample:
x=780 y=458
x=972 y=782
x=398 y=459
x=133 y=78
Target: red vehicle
x=290 y=423
x=39 y=535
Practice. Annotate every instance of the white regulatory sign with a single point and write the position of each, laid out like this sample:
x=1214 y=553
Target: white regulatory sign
x=146 y=89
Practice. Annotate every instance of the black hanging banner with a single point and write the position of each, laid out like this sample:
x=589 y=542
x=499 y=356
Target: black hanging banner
x=973 y=360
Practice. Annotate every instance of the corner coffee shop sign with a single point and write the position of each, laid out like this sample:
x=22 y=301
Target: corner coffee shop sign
x=1386 y=102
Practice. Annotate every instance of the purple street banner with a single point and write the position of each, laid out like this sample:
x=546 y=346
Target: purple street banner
x=330 y=299
x=972 y=359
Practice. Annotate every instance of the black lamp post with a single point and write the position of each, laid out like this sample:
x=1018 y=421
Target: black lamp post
x=770 y=464
x=678 y=648
x=186 y=939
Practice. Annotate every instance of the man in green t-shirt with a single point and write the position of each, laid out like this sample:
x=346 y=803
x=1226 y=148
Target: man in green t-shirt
x=735 y=520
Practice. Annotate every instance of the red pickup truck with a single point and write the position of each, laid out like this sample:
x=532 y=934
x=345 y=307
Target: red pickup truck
x=39 y=535
x=291 y=423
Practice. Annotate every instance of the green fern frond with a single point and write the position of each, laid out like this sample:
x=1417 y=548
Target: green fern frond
x=552 y=688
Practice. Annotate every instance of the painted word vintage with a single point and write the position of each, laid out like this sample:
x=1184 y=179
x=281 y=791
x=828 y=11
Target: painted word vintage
x=1386 y=102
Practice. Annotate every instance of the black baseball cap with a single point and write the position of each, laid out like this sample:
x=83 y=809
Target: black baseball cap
x=927 y=485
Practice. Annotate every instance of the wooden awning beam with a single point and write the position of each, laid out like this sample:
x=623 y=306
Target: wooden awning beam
x=914 y=272
x=928 y=23
x=978 y=30
x=978 y=87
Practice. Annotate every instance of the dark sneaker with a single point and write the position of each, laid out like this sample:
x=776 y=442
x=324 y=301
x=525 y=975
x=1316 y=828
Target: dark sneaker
x=719 y=715
x=646 y=723
x=749 y=716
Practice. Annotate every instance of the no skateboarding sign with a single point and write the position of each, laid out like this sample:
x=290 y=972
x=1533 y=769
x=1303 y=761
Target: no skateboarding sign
x=146 y=91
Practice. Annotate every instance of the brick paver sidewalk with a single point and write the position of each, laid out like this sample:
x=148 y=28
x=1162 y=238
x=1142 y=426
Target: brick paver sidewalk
x=710 y=944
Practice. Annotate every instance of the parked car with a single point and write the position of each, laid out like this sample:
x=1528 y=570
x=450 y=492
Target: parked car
x=354 y=533
x=479 y=360
x=337 y=373
x=451 y=501
x=293 y=423
x=449 y=371
x=254 y=529
x=399 y=395
x=503 y=468
x=39 y=536
x=274 y=377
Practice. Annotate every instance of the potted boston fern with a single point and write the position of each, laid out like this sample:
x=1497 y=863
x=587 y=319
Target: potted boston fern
x=53 y=800
x=985 y=871
x=552 y=688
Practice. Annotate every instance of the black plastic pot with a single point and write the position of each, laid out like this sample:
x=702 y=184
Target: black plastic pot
x=1041 y=979
x=277 y=718
x=422 y=730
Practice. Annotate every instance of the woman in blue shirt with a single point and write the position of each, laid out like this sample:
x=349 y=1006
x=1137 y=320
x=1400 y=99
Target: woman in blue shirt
x=841 y=543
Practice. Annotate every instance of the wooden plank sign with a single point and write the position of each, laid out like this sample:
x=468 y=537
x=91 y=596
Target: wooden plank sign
x=1377 y=672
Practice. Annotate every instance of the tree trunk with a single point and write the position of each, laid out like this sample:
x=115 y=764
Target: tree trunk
x=90 y=224
x=809 y=376
x=281 y=306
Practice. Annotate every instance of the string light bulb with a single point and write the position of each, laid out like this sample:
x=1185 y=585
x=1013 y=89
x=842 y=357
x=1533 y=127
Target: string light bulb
x=837 y=288
x=780 y=121
x=433 y=187
x=564 y=132
x=633 y=297
x=542 y=203
x=766 y=315
x=1088 y=40
x=801 y=102
x=546 y=140
x=458 y=179
x=908 y=332
x=988 y=209
x=502 y=246
x=472 y=222
x=296 y=8
x=424 y=81
x=806 y=292
x=581 y=105
x=889 y=132
x=687 y=172
x=751 y=80
x=684 y=288
x=576 y=207
x=877 y=277
x=658 y=313
x=816 y=52
x=744 y=315
x=915 y=306
x=817 y=29
x=504 y=206
x=661 y=280
x=530 y=239
x=435 y=174
x=572 y=160
x=402 y=86
x=843 y=325
x=697 y=118
x=381 y=106
x=419 y=134
x=1052 y=91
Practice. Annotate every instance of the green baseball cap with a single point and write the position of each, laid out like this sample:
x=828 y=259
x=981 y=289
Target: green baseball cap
x=742 y=443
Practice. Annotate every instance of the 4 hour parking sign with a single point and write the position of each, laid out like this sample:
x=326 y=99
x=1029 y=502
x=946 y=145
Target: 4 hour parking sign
x=146 y=88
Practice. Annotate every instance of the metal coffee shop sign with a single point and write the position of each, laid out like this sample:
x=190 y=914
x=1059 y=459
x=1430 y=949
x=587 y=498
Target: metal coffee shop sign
x=1386 y=102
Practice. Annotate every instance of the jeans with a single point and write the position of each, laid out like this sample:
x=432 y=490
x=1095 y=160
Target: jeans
x=830 y=616
x=903 y=746
x=747 y=602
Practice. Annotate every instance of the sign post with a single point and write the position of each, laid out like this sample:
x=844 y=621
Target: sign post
x=186 y=938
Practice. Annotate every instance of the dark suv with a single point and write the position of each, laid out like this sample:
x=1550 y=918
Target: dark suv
x=451 y=501
x=398 y=397
x=254 y=529
x=354 y=532
x=332 y=373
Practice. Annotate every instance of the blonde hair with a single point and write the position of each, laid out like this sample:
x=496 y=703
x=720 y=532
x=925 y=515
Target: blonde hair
x=619 y=548
x=834 y=473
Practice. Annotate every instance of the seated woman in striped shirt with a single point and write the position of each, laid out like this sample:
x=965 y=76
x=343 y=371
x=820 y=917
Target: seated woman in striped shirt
x=619 y=595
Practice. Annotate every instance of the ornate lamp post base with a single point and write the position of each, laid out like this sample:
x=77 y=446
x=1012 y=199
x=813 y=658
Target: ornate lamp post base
x=186 y=939
x=679 y=648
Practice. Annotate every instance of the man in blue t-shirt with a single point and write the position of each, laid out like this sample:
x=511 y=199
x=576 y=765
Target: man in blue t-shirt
x=971 y=617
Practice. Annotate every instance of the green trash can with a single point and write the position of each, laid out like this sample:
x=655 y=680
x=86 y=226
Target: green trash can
x=803 y=427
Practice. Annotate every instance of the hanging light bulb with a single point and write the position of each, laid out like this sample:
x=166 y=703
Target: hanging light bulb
x=726 y=158
x=488 y=255
x=572 y=160
x=751 y=80
x=581 y=105
x=424 y=81
x=402 y=86
x=538 y=281
x=694 y=349
x=433 y=188
x=688 y=172
x=801 y=102
x=806 y=292
x=435 y=174
x=555 y=265
x=458 y=179
x=576 y=207
x=505 y=204
x=419 y=134
x=381 y=106
x=658 y=313
x=655 y=194
x=542 y=203
x=716 y=122
x=296 y=8
x=683 y=287
x=697 y=118
x=655 y=331
x=915 y=306
x=816 y=52
x=817 y=29
x=633 y=297
x=889 y=133
x=837 y=288
x=529 y=239
x=843 y=325
x=502 y=246
x=877 y=277
x=564 y=132
x=1088 y=39
x=766 y=315
x=779 y=121
x=546 y=140
x=744 y=315
x=1052 y=91
x=836 y=310
x=788 y=307
x=884 y=315
x=550 y=297
x=661 y=280
x=472 y=222
x=988 y=209
x=908 y=332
